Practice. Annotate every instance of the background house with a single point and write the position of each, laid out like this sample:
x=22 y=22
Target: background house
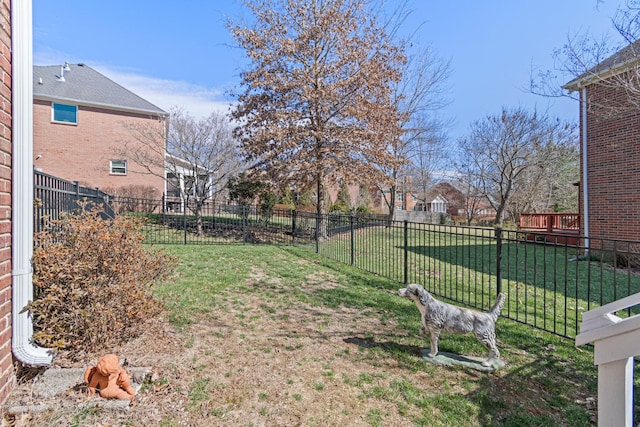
x=187 y=181
x=609 y=196
x=444 y=197
x=405 y=198
x=80 y=126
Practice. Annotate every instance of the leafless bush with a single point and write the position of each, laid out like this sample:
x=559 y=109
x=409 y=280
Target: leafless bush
x=94 y=278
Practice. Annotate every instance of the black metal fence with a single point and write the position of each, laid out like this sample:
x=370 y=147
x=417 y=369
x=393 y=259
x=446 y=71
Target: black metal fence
x=54 y=196
x=549 y=279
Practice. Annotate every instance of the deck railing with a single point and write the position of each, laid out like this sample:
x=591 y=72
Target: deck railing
x=550 y=221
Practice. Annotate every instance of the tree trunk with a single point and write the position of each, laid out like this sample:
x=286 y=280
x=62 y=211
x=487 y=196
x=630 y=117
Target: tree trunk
x=321 y=211
x=499 y=215
x=392 y=206
x=198 y=213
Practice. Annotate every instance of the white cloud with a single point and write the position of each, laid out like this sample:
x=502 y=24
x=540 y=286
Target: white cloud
x=199 y=101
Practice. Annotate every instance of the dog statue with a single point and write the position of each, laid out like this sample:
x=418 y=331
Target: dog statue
x=438 y=316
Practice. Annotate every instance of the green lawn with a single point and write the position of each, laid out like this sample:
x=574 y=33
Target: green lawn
x=544 y=284
x=544 y=378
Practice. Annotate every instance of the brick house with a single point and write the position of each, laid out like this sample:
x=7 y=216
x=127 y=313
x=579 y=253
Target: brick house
x=405 y=199
x=16 y=193
x=6 y=368
x=80 y=125
x=444 y=197
x=609 y=196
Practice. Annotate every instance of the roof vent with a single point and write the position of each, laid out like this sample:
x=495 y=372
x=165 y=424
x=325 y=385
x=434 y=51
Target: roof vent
x=63 y=68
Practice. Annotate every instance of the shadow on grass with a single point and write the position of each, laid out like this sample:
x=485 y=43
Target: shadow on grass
x=388 y=346
x=534 y=393
x=528 y=395
x=550 y=268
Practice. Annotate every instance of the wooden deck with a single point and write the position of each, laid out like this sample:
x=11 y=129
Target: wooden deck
x=558 y=228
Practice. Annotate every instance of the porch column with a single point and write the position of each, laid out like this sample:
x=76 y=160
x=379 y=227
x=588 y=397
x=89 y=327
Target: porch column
x=615 y=393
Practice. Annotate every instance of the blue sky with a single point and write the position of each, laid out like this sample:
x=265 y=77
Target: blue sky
x=180 y=53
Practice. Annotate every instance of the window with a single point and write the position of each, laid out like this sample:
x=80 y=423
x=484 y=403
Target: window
x=118 y=167
x=173 y=187
x=196 y=187
x=438 y=206
x=63 y=113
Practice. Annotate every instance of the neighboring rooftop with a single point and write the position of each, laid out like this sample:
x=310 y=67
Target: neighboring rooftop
x=83 y=85
x=614 y=64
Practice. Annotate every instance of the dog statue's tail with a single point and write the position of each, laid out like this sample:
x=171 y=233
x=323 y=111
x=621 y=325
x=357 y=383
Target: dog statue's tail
x=497 y=307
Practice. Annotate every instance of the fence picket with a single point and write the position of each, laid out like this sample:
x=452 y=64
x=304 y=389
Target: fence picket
x=549 y=280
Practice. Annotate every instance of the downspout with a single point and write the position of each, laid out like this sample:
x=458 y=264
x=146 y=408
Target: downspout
x=585 y=175
x=22 y=187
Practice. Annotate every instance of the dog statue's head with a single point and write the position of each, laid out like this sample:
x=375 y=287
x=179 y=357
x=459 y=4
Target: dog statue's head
x=412 y=291
x=416 y=293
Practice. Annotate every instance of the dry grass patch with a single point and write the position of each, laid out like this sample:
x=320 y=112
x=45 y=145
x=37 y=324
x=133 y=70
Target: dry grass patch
x=299 y=344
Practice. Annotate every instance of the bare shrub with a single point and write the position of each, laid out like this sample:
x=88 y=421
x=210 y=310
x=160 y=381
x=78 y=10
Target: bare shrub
x=94 y=279
x=134 y=191
x=134 y=198
x=628 y=256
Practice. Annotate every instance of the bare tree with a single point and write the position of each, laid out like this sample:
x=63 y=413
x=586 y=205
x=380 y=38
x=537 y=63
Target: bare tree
x=199 y=159
x=419 y=96
x=427 y=155
x=608 y=61
x=468 y=180
x=503 y=150
x=549 y=188
x=316 y=102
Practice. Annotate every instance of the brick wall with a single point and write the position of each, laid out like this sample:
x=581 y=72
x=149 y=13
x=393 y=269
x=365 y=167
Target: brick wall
x=613 y=159
x=82 y=152
x=6 y=368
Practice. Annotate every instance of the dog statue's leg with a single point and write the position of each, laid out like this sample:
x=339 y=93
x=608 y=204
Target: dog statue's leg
x=493 y=355
x=434 y=344
x=490 y=342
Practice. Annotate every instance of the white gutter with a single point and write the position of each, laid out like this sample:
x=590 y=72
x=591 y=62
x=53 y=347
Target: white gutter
x=158 y=113
x=22 y=191
x=585 y=175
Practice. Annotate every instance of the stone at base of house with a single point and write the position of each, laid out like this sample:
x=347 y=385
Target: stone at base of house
x=57 y=382
x=452 y=359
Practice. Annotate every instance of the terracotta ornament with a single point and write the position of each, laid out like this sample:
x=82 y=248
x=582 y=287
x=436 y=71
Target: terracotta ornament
x=109 y=378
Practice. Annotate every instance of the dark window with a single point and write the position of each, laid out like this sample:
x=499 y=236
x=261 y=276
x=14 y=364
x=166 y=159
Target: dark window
x=63 y=113
x=118 y=167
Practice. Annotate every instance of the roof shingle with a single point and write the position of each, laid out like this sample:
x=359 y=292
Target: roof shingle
x=84 y=85
x=616 y=63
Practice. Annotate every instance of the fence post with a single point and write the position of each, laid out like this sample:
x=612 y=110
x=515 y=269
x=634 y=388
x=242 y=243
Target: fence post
x=184 y=220
x=317 y=233
x=406 y=252
x=353 y=240
x=293 y=226
x=164 y=209
x=76 y=197
x=244 y=224
x=498 y=260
